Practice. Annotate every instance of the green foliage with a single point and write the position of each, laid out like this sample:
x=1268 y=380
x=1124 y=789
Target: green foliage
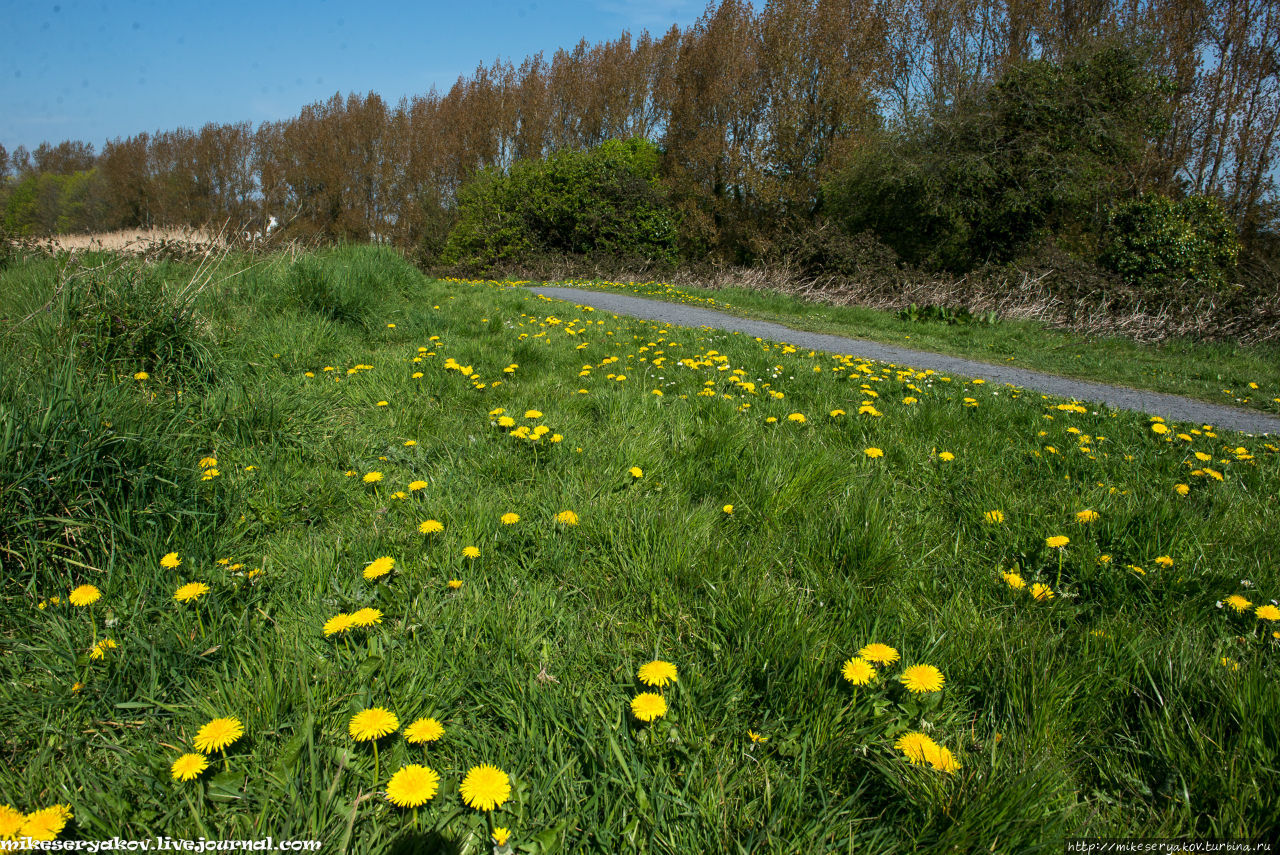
x=1158 y=242
x=606 y=201
x=44 y=203
x=946 y=314
x=1040 y=152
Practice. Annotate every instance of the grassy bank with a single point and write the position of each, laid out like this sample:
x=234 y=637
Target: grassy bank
x=566 y=497
x=1217 y=372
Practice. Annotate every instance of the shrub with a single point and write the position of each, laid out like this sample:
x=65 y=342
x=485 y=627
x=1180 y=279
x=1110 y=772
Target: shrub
x=1157 y=242
x=606 y=201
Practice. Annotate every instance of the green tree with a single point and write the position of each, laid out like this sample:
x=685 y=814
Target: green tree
x=1045 y=150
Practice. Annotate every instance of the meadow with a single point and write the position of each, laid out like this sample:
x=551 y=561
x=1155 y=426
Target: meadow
x=280 y=528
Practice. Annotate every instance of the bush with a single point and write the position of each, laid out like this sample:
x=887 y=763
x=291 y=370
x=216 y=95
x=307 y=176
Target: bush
x=606 y=201
x=1038 y=153
x=1157 y=242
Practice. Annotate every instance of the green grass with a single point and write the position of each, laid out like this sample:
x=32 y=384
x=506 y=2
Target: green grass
x=1217 y=372
x=1104 y=711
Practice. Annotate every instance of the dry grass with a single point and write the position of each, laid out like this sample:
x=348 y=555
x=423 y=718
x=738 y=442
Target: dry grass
x=137 y=241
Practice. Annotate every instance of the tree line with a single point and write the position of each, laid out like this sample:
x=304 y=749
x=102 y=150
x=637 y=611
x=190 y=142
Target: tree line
x=766 y=121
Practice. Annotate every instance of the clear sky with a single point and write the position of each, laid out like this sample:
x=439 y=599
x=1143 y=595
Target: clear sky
x=94 y=70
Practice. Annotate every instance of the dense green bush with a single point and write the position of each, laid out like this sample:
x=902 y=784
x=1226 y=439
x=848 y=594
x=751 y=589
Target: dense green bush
x=1156 y=241
x=1042 y=151
x=606 y=201
x=44 y=203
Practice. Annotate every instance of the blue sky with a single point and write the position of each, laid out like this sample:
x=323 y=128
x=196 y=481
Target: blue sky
x=99 y=70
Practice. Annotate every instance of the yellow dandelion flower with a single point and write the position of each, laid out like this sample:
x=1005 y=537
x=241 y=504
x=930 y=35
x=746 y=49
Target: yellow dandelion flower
x=142 y=375
x=1159 y=428
x=1164 y=560
x=756 y=738
x=85 y=595
x=455 y=584
x=858 y=671
x=372 y=477
x=1239 y=603
x=880 y=654
x=431 y=527
x=941 y=759
x=915 y=745
x=379 y=567
x=471 y=551
x=414 y=785
x=1087 y=515
x=373 y=723
x=873 y=452
x=567 y=518
x=100 y=649
x=366 y=617
x=636 y=472
x=11 y=820
x=424 y=730
x=217 y=735
x=485 y=787
x=921 y=678
x=501 y=835
x=648 y=706
x=657 y=673
x=188 y=767
x=1229 y=664
x=191 y=592
x=1013 y=580
x=337 y=624
x=170 y=561
x=415 y=486
x=1057 y=541
x=1181 y=489
x=45 y=824
x=533 y=414
x=798 y=418
x=1267 y=612
x=1041 y=591
x=993 y=517
x=946 y=457
x=728 y=509
x=510 y=519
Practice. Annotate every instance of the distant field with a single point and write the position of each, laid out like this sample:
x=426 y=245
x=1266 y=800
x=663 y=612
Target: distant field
x=898 y=611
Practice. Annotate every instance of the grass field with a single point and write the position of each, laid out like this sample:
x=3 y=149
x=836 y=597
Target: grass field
x=1219 y=372
x=461 y=502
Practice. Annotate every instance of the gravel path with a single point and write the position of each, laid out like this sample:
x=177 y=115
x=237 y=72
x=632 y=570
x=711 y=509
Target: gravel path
x=1171 y=407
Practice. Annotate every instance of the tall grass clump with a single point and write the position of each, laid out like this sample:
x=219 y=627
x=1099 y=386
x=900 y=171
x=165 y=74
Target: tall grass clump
x=350 y=286
x=134 y=317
